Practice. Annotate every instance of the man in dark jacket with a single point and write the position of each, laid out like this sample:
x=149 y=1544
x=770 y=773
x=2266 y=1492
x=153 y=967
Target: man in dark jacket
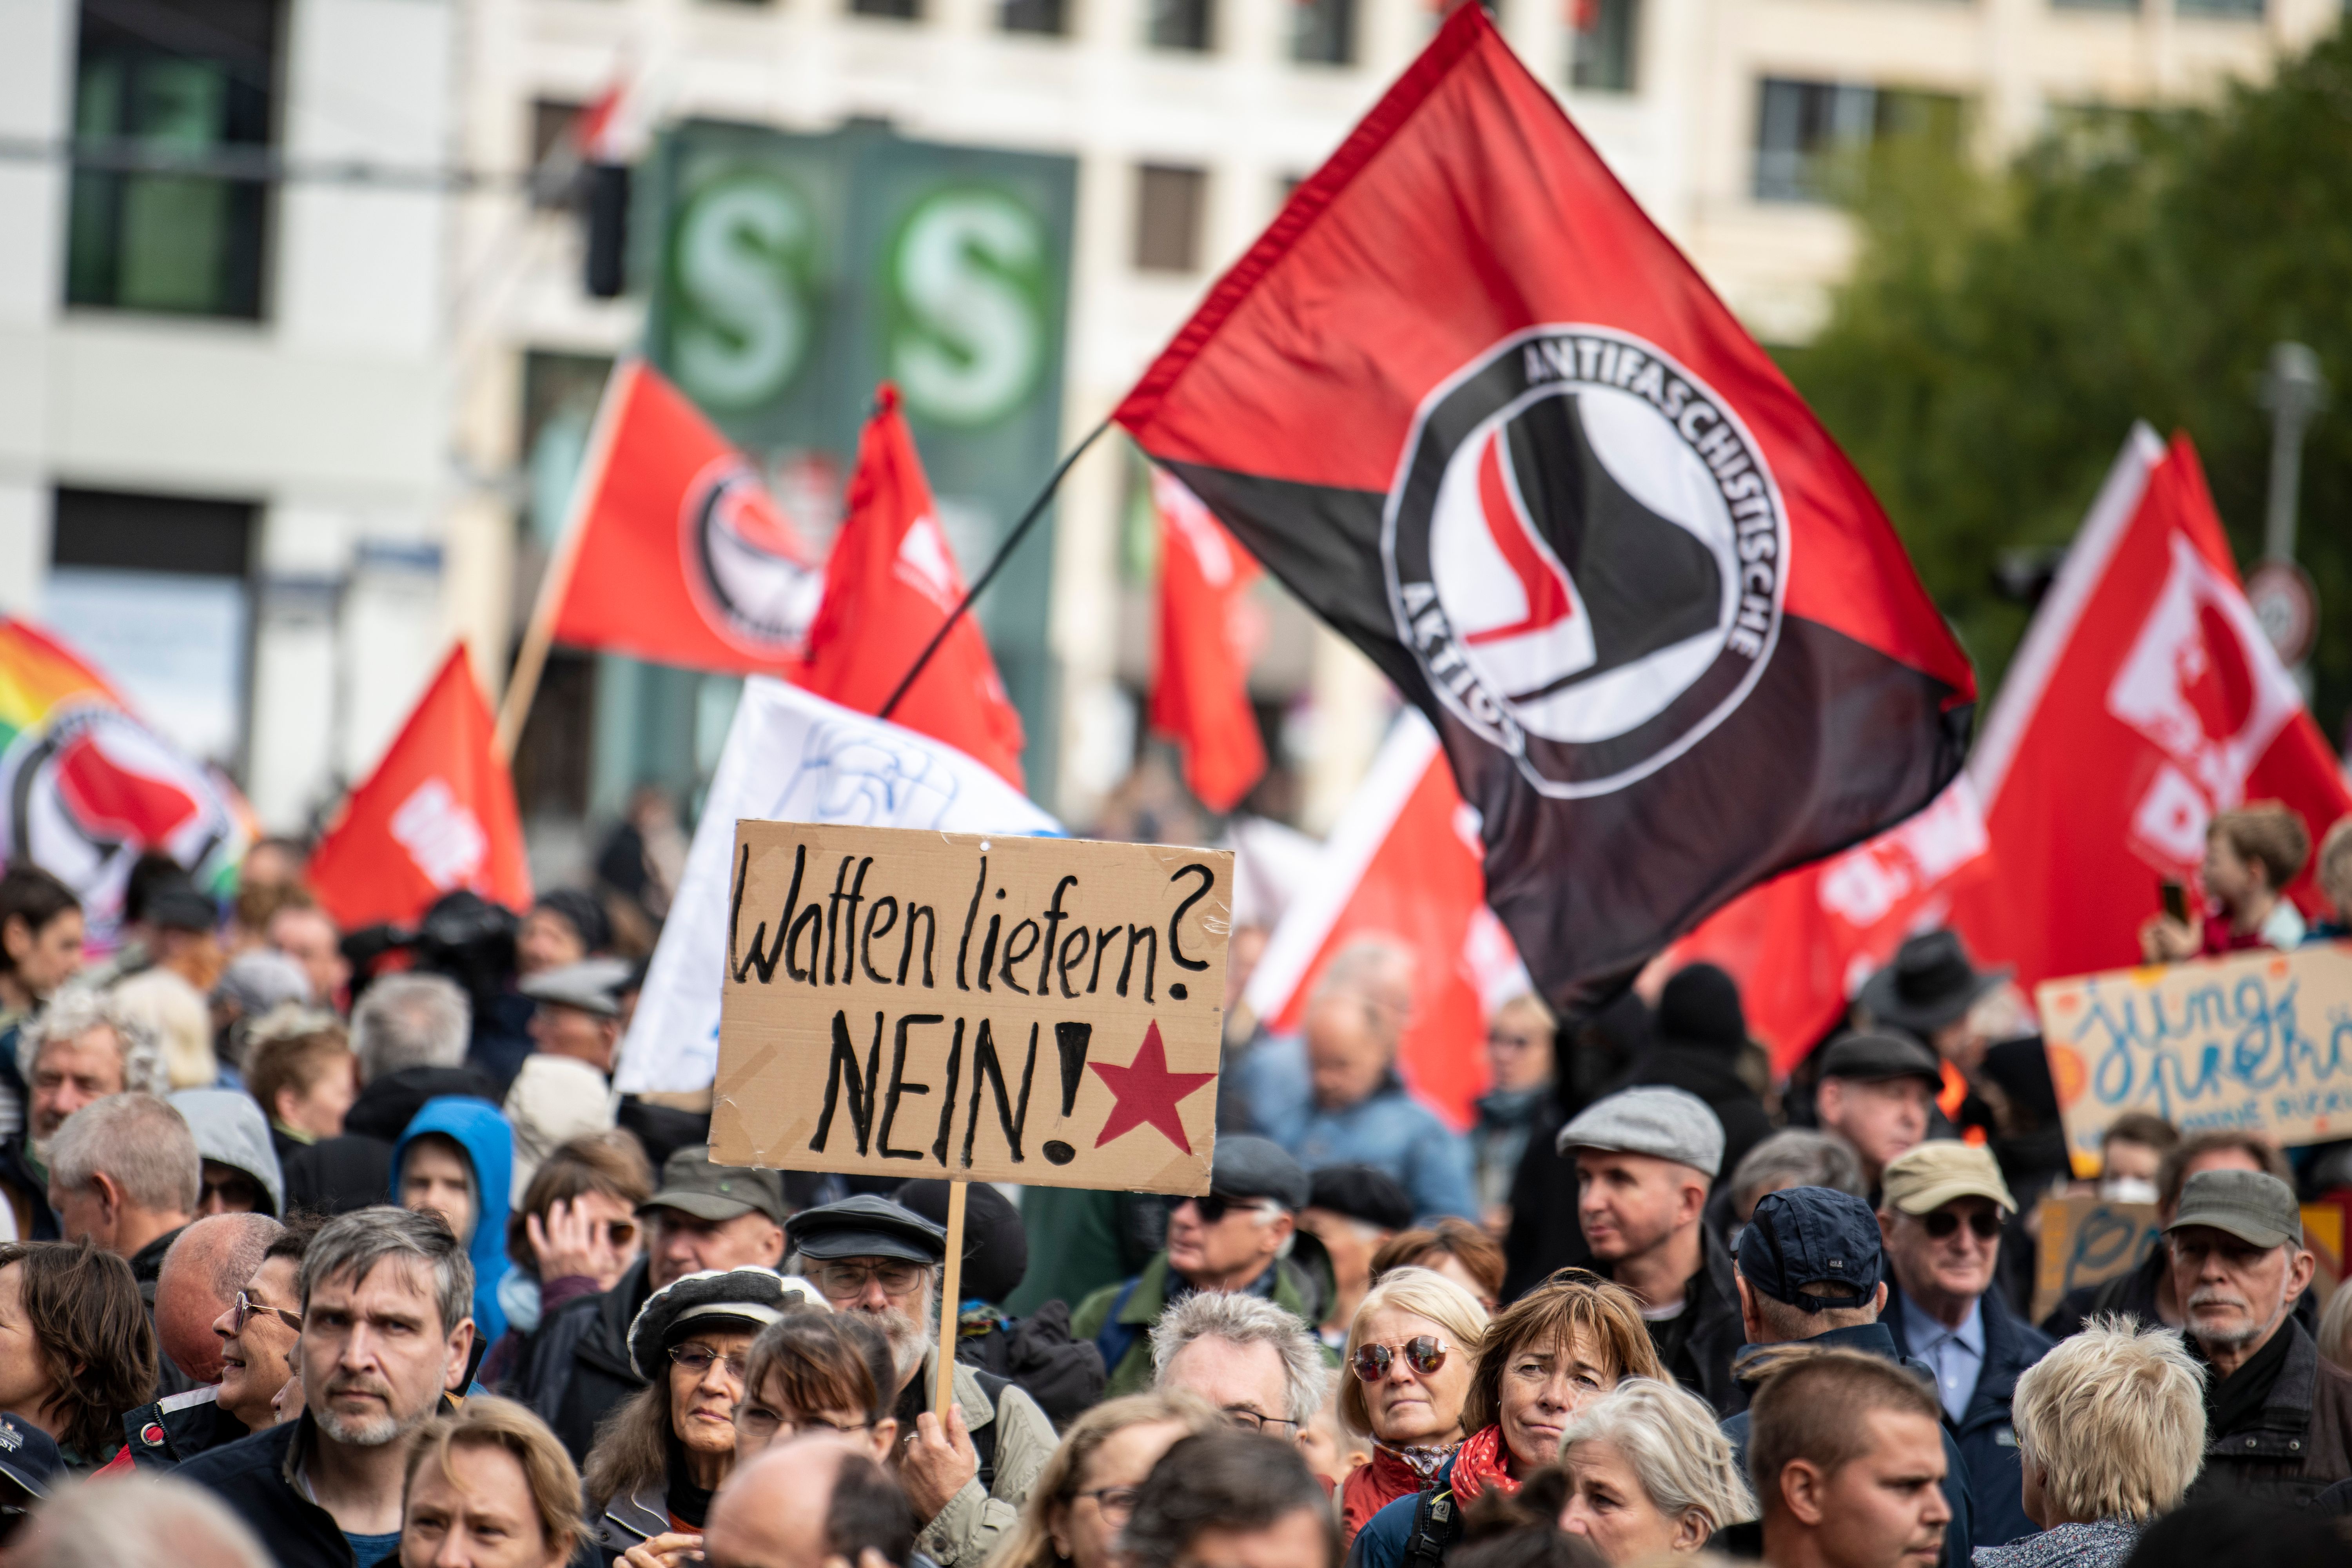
x=1645 y=1158
x=577 y=1366
x=1696 y=1043
x=1809 y=1272
x=1544 y=1237
x=2278 y=1416
x=1940 y=1213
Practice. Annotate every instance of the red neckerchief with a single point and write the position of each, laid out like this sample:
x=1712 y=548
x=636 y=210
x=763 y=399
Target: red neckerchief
x=1479 y=1464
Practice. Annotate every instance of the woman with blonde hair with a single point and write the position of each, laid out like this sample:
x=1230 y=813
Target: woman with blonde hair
x=2110 y=1432
x=491 y=1481
x=1650 y=1474
x=1408 y=1361
x=1084 y=1496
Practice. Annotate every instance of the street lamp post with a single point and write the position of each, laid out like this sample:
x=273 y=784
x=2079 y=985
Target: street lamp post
x=2295 y=391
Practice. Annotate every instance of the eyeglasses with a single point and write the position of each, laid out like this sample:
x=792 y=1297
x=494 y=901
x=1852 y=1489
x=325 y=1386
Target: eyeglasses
x=1249 y=1420
x=1943 y=1223
x=759 y=1421
x=242 y=1309
x=843 y=1281
x=1212 y=1209
x=697 y=1360
x=1423 y=1352
x=1117 y=1503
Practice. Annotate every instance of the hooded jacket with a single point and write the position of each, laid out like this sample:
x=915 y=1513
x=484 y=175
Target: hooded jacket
x=488 y=1143
x=336 y=1175
x=231 y=1130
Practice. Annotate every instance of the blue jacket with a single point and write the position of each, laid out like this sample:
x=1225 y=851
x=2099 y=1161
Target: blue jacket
x=1390 y=1131
x=1873 y=1339
x=488 y=1143
x=1984 y=1431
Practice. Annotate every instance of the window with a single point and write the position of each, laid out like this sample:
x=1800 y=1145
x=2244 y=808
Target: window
x=152 y=588
x=554 y=163
x=1323 y=32
x=2252 y=10
x=1168 y=218
x=1182 y=24
x=171 y=128
x=897 y=10
x=1600 y=45
x=1051 y=17
x=1812 y=135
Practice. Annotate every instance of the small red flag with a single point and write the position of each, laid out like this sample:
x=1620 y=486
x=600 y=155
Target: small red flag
x=891 y=581
x=675 y=552
x=1199 y=690
x=438 y=813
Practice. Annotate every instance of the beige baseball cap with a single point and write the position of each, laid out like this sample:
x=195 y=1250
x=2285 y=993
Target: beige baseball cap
x=1922 y=1180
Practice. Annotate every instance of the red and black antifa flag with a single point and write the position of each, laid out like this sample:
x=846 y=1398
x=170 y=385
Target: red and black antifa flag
x=1474 y=408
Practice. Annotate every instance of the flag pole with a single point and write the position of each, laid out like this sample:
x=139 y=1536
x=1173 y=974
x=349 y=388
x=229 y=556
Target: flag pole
x=531 y=660
x=996 y=563
x=951 y=1295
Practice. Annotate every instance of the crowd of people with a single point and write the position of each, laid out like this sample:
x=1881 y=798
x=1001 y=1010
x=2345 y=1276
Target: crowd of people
x=323 y=1248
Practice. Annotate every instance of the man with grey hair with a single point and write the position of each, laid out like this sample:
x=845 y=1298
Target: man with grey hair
x=1244 y=1355
x=410 y=1021
x=387 y=1334
x=136 y=1519
x=83 y=1048
x=1332 y=1096
x=124 y=1175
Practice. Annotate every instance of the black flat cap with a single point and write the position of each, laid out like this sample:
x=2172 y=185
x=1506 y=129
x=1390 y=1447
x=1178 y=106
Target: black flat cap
x=1361 y=1193
x=1247 y=1166
x=995 y=1243
x=739 y=1300
x=868 y=1226
x=1880 y=1058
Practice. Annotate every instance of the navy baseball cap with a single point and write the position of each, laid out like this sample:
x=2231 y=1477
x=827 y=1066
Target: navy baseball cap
x=1810 y=1236
x=28 y=1455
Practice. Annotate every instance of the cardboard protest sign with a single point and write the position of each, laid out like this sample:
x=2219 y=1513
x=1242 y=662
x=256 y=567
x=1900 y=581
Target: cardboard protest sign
x=2261 y=1042
x=905 y=1003
x=2085 y=1240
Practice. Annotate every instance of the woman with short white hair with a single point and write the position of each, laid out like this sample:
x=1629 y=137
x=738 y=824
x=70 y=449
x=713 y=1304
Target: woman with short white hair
x=1650 y=1474
x=1411 y=1349
x=2111 y=1430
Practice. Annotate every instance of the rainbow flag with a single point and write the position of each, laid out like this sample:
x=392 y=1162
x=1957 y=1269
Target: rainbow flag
x=38 y=674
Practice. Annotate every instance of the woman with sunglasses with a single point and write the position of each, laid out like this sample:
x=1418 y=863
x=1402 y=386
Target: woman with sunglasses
x=574 y=1234
x=817 y=1372
x=660 y=1455
x=1546 y=1356
x=1409 y=1356
x=1084 y=1496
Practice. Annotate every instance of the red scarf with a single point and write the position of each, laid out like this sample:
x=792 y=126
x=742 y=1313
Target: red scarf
x=1480 y=1463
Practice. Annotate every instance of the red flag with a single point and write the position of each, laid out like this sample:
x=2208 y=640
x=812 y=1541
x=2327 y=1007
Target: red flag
x=1200 y=689
x=891 y=581
x=674 y=552
x=438 y=813
x=1469 y=402
x=1403 y=864
x=2144 y=698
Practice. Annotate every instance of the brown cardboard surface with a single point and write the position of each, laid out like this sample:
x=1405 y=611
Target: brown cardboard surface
x=2084 y=1240
x=2261 y=1042
x=902 y=1003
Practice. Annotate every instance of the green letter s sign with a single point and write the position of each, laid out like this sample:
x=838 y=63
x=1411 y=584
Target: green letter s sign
x=967 y=279
x=742 y=259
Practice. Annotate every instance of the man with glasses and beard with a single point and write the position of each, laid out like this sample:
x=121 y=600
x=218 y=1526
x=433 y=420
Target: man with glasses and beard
x=1238 y=1238
x=2278 y=1415
x=387 y=1329
x=967 y=1479
x=1940 y=1212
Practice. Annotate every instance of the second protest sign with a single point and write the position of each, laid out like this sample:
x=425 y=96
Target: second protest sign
x=985 y=1009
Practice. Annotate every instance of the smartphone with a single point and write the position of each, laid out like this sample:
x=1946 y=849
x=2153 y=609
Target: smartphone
x=2176 y=899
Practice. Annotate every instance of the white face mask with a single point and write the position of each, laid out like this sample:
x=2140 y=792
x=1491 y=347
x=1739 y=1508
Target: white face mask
x=2127 y=1190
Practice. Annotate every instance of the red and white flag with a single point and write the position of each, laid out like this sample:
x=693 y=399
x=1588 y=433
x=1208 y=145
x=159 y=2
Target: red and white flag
x=1200 y=686
x=438 y=813
x=891 y=581
x=1404 y=864
x=2144 y=698
x=676 y=552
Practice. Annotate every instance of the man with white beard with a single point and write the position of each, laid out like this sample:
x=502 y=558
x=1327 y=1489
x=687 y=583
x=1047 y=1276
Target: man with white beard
x=2278 y=1416
x=967 y=1479
x=387 y=1331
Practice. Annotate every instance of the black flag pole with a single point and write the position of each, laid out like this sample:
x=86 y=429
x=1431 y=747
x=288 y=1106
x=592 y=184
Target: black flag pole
x=996 y=563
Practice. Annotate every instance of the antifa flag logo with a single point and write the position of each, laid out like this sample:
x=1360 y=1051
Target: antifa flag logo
x=744 y=565
x=1585 y=552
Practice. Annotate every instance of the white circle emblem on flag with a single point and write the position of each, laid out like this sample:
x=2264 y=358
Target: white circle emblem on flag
x=743 y=565
x=1586 y=552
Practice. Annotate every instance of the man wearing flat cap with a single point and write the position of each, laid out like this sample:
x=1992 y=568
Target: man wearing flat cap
x=2278 y=1416
x=967 y=1480
x=1940 y=1212
x=1239 y=1237
x=563 y=1089
x=1644 y=1160
x=1878 y=1093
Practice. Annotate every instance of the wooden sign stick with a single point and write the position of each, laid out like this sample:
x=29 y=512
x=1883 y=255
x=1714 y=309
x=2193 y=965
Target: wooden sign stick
x=950 y=1298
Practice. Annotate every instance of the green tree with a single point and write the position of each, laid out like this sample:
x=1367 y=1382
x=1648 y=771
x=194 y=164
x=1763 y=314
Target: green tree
x=2003 y=330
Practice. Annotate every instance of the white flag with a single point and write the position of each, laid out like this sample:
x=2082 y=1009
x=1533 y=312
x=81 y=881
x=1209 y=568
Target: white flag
x=792 y=756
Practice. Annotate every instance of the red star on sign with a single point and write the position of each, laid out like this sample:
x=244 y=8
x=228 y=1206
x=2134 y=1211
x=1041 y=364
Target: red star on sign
x=1148 y=1091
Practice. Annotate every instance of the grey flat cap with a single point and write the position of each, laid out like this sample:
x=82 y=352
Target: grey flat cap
x=593 y=985
x=2252 y=1205
x=1663 y=1123
x=1247 y=1167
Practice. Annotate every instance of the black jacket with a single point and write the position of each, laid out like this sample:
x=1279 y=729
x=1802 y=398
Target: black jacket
x=259 y=1478
x=1704 y=1365
x=1984 y=1431
x=2298 y=1445
x=1545 y=1235
x=169 y=1432
x=1714 y=1076
x=146 y=1268
x=1065 y=1377
x=336 y=1175
x=577 y=1366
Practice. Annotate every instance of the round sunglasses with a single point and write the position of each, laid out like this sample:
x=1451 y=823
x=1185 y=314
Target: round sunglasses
x=1423 y=1352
